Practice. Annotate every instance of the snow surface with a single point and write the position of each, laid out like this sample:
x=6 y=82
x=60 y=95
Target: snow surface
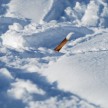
x=32 y=9
x=84 y=72
x=32 y=74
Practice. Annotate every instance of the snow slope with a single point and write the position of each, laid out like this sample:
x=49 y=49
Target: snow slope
x=32 y=75
x=83 y=70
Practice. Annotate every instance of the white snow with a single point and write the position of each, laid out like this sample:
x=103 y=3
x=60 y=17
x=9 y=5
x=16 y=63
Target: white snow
x=54 y=103
x=90 y=17
x=69 y=35
x=22 y=89
x=84 y=69
x=5 y=73
x=33 y=75
x=32 y=9
x=13 y=39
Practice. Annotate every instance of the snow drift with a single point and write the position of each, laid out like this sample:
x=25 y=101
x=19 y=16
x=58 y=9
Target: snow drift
x=88 y=13
x=32 y=75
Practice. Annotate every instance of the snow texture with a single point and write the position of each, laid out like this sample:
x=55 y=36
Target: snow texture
x=32 y=74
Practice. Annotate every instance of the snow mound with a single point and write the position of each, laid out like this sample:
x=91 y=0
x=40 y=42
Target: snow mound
x=13 y=38
x=34 y=9
x=91 y=17
x=87 y=13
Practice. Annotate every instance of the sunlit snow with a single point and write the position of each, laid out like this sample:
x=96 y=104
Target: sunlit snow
x=32 y=74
